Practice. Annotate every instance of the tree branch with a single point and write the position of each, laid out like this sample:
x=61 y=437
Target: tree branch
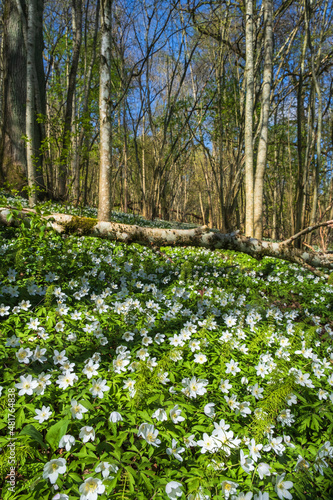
x=197 y=237
x=307 y=231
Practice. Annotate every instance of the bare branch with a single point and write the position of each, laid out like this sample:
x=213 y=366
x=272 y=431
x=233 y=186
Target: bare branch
x=157 y=237
x=306 y=231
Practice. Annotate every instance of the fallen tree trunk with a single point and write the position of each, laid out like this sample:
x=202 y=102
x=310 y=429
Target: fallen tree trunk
x=198 y=237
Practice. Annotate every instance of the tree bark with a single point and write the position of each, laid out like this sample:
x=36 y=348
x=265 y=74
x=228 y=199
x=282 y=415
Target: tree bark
x=300 y=182
x=77 y=27
x=249 y=228
x=30 y=102
x=265 y=105
x=198 y=237
x=12 y=146
x=13 y=155
x=85 y=104
x=104 y=207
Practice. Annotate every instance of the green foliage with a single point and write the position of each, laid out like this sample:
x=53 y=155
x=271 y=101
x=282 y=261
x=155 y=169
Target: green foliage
x=167 y=324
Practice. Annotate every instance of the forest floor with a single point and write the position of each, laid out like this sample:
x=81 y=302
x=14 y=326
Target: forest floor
x=138 y=375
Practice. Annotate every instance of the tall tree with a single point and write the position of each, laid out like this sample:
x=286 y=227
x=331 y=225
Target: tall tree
x=265 y=106
x=13 y=154
x=66 y=139
x=30 y=102
x=105 y=109
x=12 y=147
x=249 y=75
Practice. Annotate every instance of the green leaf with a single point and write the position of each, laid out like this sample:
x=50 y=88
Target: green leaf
x=56 y=432
x=147 y=482
x=20 y=417
x=30 y=430
x=76 y=477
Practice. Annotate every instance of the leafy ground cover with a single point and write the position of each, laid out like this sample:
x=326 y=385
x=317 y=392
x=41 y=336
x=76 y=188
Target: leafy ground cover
x=205 y=375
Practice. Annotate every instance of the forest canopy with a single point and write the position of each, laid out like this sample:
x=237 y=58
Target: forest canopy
x=217 y=113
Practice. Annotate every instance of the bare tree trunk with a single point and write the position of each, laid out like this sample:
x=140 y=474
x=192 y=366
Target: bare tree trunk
x=87 y=89
x=125 y=157
x=202 y=209
x=274 y=229
x=249 y=227
x=263 y=139
x=13 y=157
x=41 y=156
x=104 y=205
x=12 y=146
x=197 y=237
x=77 y=27
x=30 y=102
x=320 y=105
x=75 y=164
x=144 y=194
x=300 y=183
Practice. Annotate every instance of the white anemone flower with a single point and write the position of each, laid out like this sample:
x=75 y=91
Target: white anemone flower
x=77 y=410
x=91 y=488
x=200 y=358
x=232 y=367
x=189 y=441
x=207 y=443
x=87 y=433
x=175 y=451
x=115 y=417
x=149 y=433
x=257 y=391
x=175 y=415
x=225 y=386
x=12 y=341
x=261 y=496
x=255 y=450
x=43 y=414
x=160 y=415
x=59 y=357
x=27 y=385
x=24 y=355
x=228 y=488
x=246 y=462
x=282 y=487
x=67 y=441
x=53 y=468
x=90 y=369
x=66 y=379
x=243 y=409
x=99 y=387
x=194 y=387
x=243 y=496
x=199 y=495
x=263 y=470
x=105 y=468
x=173 y=490
x=209 y=410
x=39 y=355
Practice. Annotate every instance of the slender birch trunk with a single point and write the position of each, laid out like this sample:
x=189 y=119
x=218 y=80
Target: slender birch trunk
x=104 y=205
x=125 y=156
x=249 y=228
x=30 y=102
x=144 y=194
x=202 y=209
x=263 y=139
